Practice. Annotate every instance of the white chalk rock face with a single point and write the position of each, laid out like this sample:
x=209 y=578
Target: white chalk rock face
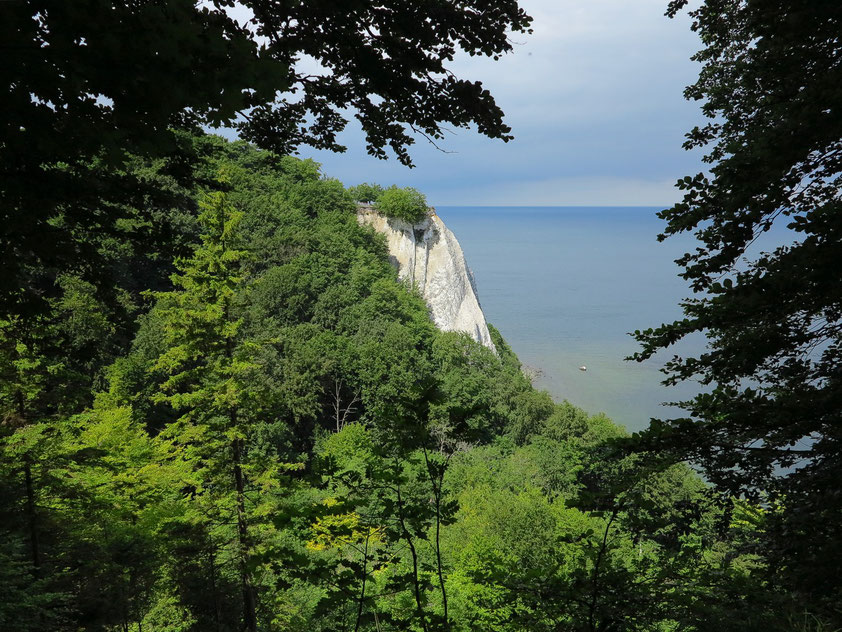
x=428 y=256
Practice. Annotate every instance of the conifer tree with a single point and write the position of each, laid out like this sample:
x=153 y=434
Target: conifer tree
x=207 y=365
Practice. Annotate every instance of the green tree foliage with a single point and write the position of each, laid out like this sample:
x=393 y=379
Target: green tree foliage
x=548 y=535
x=207 y=369
x=768 y=425
x=406 y=204
x=365 y=192
x=88 y=84
x=289 y=444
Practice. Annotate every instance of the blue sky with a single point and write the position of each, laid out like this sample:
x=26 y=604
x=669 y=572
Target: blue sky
x=594 y=99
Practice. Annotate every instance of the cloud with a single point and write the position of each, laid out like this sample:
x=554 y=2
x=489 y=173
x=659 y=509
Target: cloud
x=566 y=191
x=594 y=97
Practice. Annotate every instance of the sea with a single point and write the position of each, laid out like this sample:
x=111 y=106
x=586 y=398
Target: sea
x=566 y=285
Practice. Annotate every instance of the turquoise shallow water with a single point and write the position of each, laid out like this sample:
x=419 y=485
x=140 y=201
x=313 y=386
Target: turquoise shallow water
x=565 y=285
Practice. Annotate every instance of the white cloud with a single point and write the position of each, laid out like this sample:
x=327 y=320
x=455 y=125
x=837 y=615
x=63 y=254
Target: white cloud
x=564 y=191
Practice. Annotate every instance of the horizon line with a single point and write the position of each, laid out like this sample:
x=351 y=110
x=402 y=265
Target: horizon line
x=556 y=205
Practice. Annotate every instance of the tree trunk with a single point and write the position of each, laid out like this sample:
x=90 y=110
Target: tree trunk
x=595 y=593
x=362 y=590
x=31 y=516
x=437 y=483
x=414 y=554
x=216 y=613
x=249 y=600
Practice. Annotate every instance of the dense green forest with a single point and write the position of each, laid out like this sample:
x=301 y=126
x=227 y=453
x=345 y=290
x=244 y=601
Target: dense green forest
x=221 y=411
x=256 y=426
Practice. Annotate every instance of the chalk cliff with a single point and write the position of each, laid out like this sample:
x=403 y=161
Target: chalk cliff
x=428 y=256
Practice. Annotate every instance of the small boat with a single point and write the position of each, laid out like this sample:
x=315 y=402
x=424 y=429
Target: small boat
x=583 y=368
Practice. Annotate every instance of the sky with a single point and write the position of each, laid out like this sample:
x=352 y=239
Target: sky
x=595 y=101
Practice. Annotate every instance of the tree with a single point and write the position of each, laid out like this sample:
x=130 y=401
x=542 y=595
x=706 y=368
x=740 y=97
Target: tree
x=768 y=423
x=406 y=204
x=207 y=367
x=88 y=83
x=365 y=192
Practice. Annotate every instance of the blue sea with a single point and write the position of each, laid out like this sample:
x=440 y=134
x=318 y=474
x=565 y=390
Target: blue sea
x=565 y=286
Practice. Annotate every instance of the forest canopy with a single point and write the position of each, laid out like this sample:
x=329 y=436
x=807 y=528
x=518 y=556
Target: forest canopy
x=269 y=433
